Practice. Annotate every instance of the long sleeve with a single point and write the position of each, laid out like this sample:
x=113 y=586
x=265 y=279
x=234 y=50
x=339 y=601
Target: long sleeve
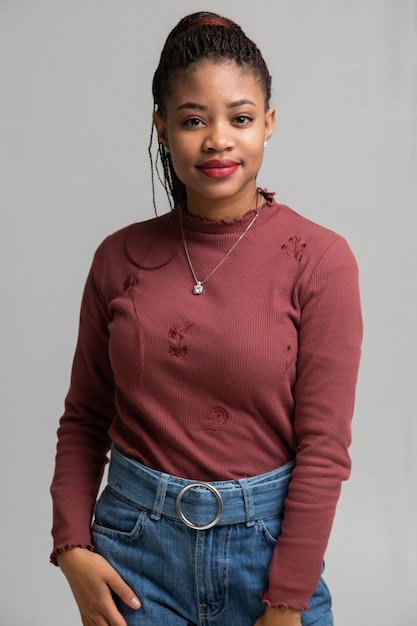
x=330 y=334
x=83 y=439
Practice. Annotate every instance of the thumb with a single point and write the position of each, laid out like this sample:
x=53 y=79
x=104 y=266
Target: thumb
x=120 y=588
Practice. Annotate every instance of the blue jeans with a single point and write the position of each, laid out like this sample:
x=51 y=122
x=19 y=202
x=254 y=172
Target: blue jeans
x=187 y=576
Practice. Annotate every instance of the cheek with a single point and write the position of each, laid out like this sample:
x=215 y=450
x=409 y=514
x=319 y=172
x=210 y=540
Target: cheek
x=182 y=164
x=183 y=155
x=179 y=160
x=256 y=153
x=254 y=144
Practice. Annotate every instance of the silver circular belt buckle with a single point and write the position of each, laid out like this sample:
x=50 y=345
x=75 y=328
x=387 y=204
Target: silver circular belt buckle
x=188 y=522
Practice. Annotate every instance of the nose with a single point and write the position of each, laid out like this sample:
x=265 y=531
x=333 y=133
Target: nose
x=218 y=138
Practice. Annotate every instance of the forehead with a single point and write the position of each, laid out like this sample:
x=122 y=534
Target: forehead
x=215 y=77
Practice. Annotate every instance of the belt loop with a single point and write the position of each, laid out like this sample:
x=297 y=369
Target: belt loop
x=248 y=502
x=160 y=493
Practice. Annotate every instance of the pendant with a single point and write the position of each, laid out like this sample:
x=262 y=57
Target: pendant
x=198 y=288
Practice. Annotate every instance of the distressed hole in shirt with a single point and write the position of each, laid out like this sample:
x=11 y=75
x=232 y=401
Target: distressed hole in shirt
x=178 y=352
x=216 y=418
x=130 y=281
x=176 y=335
x=291 y=357
x=294 y=247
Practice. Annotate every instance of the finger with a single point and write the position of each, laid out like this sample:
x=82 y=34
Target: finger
x=105 y=613
x=125 y=593
x=101 y=621
x=85 y=620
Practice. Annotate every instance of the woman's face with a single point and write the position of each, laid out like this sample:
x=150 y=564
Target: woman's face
x=215 y=125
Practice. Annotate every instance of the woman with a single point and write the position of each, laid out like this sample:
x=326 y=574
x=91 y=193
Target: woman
x=217 y=358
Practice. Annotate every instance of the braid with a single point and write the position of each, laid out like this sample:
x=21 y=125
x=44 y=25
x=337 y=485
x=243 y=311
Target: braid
x=196 y=37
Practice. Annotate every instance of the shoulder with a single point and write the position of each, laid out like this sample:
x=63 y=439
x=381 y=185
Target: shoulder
x=294 y=222
x=131 y=243
x=122 y=253
x=137 y=231
x=305 y=240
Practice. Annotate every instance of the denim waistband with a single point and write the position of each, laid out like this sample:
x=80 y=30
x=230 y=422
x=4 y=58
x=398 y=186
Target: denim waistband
x=243 y=501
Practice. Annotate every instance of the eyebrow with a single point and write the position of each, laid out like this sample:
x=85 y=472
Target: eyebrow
x=202 y=107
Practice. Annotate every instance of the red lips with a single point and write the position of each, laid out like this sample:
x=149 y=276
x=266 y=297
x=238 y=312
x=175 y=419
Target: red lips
x=218 y=168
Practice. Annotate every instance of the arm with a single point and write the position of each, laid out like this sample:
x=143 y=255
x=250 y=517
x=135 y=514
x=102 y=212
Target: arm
x=83 y=440
x=330 y=333
x=82 y=447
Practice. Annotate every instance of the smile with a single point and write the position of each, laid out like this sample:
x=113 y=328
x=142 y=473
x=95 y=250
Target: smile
x=218 y=168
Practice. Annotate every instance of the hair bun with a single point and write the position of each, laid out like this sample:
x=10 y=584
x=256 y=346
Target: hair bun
x=202 y=18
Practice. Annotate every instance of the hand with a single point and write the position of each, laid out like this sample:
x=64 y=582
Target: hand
x=279 y=617
x=92 y=580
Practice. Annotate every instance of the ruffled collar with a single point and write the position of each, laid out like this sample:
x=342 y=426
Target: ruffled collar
x=237 y=224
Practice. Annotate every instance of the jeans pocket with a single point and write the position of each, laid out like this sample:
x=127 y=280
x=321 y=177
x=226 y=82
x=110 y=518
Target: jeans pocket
x=269 y=529
x=116 y=517
x=319 y=607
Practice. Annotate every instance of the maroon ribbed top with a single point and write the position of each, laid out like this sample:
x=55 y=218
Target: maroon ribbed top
x=258 y=369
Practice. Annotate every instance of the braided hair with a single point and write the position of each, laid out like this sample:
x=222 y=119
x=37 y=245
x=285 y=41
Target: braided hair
x=197 y=37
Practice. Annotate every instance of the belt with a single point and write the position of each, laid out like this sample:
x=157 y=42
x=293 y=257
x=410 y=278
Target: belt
x=198 y=504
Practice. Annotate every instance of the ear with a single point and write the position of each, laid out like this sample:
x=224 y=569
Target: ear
x=269 y=122
x=161 y=127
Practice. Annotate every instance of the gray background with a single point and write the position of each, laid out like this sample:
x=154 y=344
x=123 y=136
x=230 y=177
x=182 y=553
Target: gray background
x=75 y=116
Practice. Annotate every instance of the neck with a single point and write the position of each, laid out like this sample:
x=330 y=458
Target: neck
x=224 y=208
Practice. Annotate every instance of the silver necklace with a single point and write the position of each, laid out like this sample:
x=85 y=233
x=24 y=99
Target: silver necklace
x=198 y=287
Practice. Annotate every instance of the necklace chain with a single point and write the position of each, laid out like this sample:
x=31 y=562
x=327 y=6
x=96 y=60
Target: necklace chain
x=198 y=287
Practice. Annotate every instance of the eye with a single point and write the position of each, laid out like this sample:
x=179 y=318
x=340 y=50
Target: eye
x=193 y=122
x=243 y=120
